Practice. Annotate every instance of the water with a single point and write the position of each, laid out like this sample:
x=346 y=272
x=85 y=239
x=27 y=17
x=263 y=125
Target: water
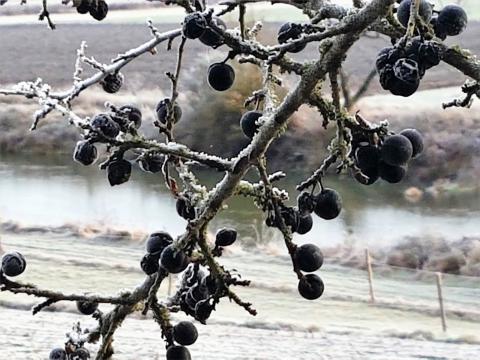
x=89 y=256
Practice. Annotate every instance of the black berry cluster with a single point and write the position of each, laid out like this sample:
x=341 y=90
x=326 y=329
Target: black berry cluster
x=13 y=264
x=105 y=127
x=156 y=243
x=308 y=258
x=196 y=292
x=74 y=353
x=98 y=9
x=402 y=66
x=389 y=158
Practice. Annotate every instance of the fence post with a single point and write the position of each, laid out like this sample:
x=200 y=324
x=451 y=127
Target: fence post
x=169 y=292
x=370 y=275
x=440 y=300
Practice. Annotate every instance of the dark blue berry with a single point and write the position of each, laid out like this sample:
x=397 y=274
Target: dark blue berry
x=194 y=25
x=158 y=241
x=328 y=204
x=416 y=139
x=403 y=12
x=87 y=307
x=291 y=31
x=58 y=354
x=225 y=237
x=112 y=83
x=149 y=263
x=13 y=264
x=308 y=258
x=173 y=260
x=305 y=223
x=310 y=287
x=105 y=125
x=248 y=123
x=162 y=111
x=221 y=76
x=210 y=37
x=119 y=171
x=176 y=352
x=85 y=153
x=185 y=333
x=452 y=20
x=390 y=173
x=396 y=150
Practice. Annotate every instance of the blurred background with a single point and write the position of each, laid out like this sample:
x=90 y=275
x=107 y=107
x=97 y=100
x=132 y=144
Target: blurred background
x=78 y=233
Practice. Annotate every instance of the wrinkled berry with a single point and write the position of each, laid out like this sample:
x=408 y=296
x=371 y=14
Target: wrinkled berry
x=328 y=204
x=119 y=171
x=58 y=354
x=305 y=202
x=388 y=56
x=86 y=307
x=390 y=173
x=452 y=20
x=221 y=76
x=225 y=237
x=176 y=352
x=85 y=153
x=134 y=114
x=99 y=12
x=305 y=224
x=203 y=310
x=194 y=25
x=308 y=258
x=158 y=241
x=185 y=209
x=185 y=333
x=430 y=54
x=13 y=264
x=162 y=111
x=396 y=150
x=112 y=83
x=105 y=125
x=151 y=163
x=210 y=37
x=403 y=13
x=310 y=287
x=416 y=139
x=173 y=260
x=149 y=263
x=290 y=31
x=248 y=123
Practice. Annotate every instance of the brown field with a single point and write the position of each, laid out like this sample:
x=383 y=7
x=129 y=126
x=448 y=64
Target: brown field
x=35 y=51
x=31 y=51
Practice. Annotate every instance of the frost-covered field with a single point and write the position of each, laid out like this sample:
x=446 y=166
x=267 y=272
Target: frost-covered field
x=341 y=325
